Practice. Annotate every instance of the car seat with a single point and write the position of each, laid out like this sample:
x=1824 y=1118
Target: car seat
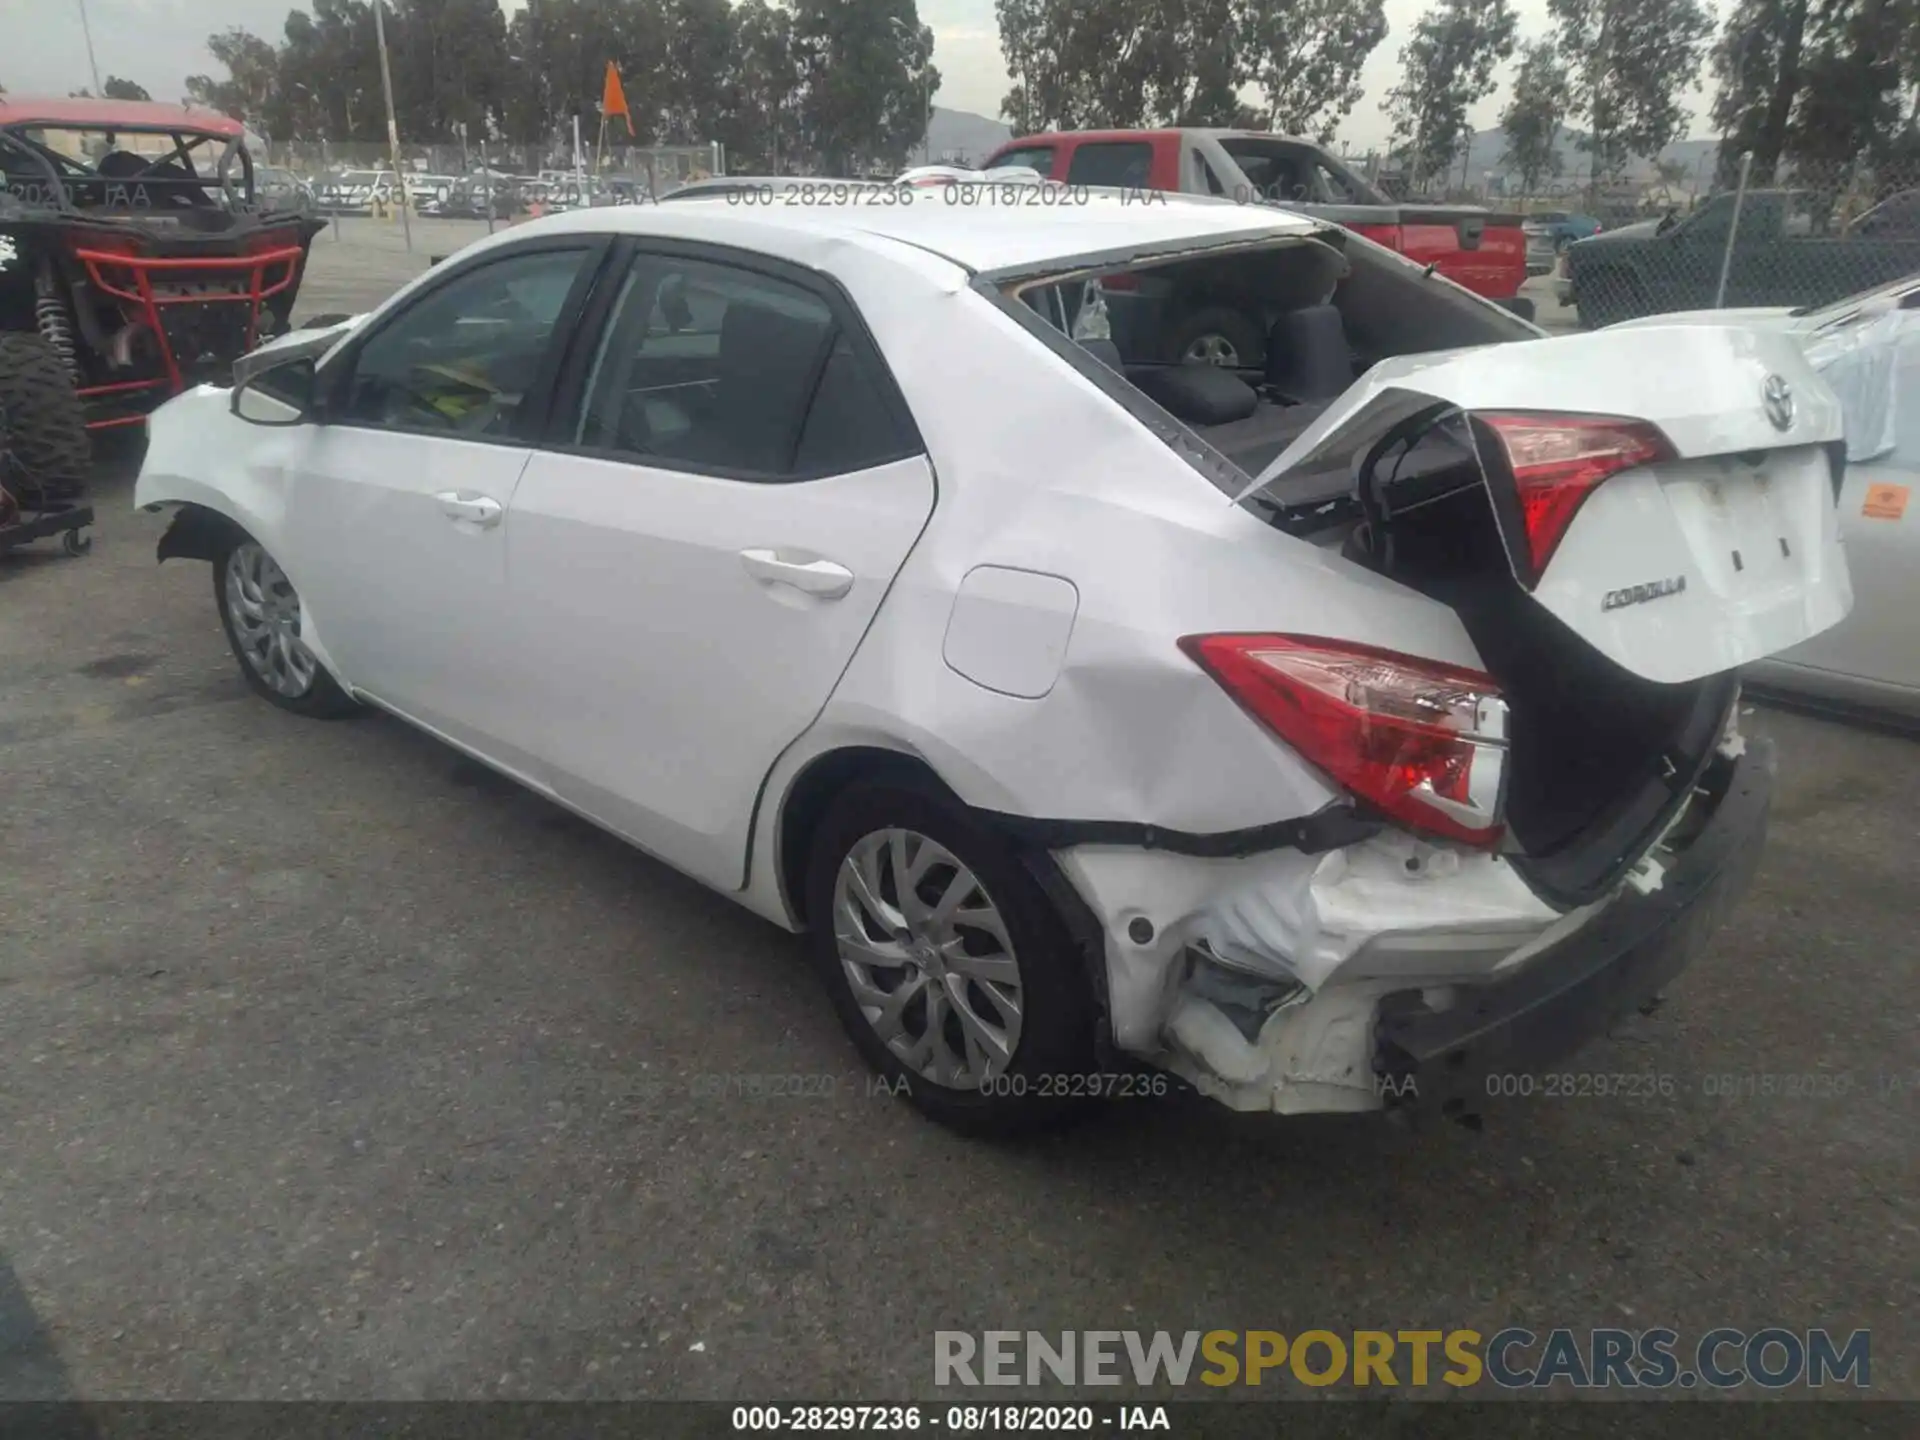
x=1308 y=355
x=769 y=361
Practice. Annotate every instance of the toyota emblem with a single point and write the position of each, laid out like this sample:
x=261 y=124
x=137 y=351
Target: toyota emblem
x=1777 y=396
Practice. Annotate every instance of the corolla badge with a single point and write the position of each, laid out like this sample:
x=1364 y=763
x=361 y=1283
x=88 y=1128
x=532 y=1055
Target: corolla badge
x=1777 y=396
x=1641 y=594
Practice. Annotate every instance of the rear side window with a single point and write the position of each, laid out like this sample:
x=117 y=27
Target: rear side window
x=848 y=428
x=1123 y=164
x=1038 y=158
x=723 y=370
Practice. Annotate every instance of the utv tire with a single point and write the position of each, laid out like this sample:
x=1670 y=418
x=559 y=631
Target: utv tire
x=260 y=613
x=43 y=429
x=1009 y=943
x=1216 y=335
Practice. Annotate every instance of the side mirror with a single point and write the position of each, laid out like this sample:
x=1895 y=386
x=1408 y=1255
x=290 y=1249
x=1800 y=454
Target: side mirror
x=280 y=395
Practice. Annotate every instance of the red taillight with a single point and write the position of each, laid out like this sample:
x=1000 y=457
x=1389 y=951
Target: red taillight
x=1558 y=460
x=1120 y=282
x=1423 y=742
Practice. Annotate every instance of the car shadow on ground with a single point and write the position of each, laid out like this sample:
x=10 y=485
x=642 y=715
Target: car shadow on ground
x=30 y=1364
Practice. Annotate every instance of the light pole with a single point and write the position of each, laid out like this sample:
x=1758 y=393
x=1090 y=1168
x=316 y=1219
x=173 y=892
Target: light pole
x=87 y=30
x=393 y=125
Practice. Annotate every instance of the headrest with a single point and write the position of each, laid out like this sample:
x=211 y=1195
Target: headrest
x=759 y=340
x=1308 y=357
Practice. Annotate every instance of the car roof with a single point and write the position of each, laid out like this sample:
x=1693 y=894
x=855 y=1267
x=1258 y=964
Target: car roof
x=982 y=237
x=1048 y=137
x=776 y=182
x=116 y=115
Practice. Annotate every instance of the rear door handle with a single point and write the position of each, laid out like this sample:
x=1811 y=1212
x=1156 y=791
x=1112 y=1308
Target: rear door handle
x=815 y=577
x=477 y=509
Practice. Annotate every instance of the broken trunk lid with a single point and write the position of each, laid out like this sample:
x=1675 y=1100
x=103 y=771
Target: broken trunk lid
x=1734 y=536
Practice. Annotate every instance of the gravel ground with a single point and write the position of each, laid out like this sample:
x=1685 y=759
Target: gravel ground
x=332 y=1066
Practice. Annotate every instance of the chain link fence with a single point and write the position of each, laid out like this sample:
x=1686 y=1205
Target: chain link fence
x=654 y=169
x=1804 y=236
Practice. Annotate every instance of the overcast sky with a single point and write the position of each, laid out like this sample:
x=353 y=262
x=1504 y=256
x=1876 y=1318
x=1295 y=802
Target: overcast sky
x=159 y=42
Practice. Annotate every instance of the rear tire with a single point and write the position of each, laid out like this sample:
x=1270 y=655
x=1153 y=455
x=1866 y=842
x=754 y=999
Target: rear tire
x=42 y=425
x=995 y=1033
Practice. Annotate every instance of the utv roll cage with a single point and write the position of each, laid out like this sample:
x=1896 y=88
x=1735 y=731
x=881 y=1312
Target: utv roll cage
x=65 y=185
x=144 y=272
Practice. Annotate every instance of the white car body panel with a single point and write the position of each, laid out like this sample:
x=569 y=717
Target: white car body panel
x=625 y=554
x=1872 y=658
x=1679 y=522
x=608 y=643
x=406 y=595
x=1868 y=352
x=1757 y=317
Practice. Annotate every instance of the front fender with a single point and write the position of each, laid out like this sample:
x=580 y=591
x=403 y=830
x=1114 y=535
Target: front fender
x=199 y=453
x=225 y=479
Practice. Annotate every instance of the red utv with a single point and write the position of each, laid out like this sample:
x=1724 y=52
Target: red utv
x=137 y=258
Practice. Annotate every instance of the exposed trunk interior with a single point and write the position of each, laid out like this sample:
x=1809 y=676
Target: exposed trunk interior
x=1600 y=757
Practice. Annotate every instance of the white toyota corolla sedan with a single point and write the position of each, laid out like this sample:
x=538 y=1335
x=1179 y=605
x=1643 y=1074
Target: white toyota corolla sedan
x=1357 y=732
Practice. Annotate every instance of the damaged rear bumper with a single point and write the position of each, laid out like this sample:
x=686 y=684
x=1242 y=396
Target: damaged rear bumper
x=1391 y=971
x=1574 y=990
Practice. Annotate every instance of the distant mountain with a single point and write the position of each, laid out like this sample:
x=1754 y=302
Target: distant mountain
x=962 y=137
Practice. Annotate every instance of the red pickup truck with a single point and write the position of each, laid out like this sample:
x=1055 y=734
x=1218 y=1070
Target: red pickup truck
x=1485 y=252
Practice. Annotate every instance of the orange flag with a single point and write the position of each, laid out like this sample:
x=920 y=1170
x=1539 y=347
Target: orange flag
x=613 y=100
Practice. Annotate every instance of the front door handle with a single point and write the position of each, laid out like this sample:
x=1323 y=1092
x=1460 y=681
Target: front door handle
x=815 y=577
x=476 y=509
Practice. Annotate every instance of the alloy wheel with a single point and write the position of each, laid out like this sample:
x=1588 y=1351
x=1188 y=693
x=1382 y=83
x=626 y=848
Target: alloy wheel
x=1212 y=349
x=265 y=615
x=928 y=958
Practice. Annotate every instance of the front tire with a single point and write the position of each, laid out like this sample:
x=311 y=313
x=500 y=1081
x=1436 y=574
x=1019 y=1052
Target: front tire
x=949 y=967
x=260 y=612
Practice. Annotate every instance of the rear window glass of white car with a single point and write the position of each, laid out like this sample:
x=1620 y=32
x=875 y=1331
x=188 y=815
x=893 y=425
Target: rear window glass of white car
x=1124 y=164
x=726 y=370
x=464 y=358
